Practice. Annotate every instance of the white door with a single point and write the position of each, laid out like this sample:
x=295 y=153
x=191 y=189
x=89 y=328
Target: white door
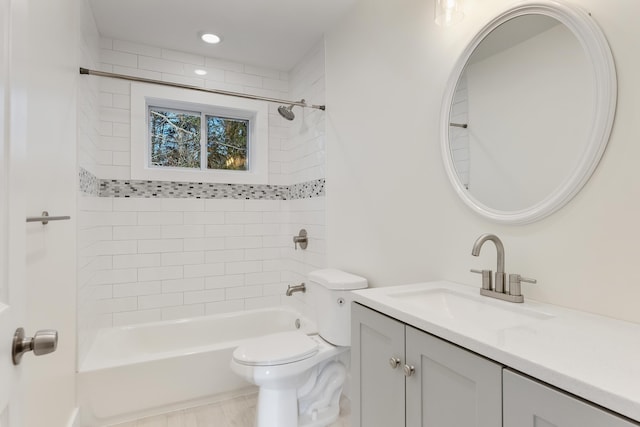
x=13 y=136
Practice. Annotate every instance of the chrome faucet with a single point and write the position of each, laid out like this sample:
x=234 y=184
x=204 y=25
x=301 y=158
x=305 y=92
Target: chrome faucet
x=500 y=274
x=296 y=288
x=498 y=291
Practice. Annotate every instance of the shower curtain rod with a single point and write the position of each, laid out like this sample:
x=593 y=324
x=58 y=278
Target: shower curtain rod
x=201 y=89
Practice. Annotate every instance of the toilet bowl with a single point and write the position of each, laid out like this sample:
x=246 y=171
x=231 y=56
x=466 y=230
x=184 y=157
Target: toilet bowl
x=300 y=377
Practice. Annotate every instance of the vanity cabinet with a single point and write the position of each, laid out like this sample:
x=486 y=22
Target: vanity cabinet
x=529 y=403
x=404 y=376
x=378 y=389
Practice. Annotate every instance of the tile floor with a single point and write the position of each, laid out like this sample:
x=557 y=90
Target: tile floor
x=236 y=412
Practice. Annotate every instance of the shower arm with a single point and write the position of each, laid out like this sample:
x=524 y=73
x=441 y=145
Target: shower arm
x=200 y=89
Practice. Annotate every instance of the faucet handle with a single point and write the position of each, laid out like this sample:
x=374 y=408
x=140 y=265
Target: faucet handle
x=514 y=283
x=302 y=239
x=487 y=278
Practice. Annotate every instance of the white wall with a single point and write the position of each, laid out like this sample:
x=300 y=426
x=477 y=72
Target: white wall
x=305 y=142
x=152 y=62
x=165 y=258
x=395 y=218
x=306 y=145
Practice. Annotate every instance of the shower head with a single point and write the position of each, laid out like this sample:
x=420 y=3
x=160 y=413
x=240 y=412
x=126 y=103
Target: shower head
x=286 y=112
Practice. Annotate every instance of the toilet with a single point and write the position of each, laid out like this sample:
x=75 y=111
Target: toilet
x=300 y=377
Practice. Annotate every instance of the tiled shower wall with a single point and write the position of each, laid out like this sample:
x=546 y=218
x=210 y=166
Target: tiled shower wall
x=165 y=258
x=167 y=65
x=174 y=258
x=305 y=161
x=88 y=237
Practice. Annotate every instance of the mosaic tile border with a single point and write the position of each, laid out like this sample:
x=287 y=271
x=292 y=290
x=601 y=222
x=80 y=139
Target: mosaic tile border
x=89 y=183
x=198 y=190
x=307 y=190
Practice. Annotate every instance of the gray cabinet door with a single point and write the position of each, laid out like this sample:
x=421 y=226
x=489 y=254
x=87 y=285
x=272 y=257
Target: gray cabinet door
x=528 y=403
x=378 y=389
x=451 y=387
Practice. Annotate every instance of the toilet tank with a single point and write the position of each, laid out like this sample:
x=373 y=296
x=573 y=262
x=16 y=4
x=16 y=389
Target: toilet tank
x=329 y=290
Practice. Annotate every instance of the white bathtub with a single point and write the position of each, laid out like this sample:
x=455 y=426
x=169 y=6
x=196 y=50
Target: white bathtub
x=138 y=370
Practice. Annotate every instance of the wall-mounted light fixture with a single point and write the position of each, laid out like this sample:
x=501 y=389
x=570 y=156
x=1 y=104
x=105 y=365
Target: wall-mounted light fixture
x=448 y=12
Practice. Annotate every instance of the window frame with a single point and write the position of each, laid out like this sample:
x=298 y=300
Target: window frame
x=145 y=96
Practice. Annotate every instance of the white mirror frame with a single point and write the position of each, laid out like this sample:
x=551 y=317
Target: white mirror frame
x=599 y=55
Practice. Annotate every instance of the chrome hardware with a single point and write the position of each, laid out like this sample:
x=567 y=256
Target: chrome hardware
x=296 y=288
x=45 y=218
x=502 y=296
x=43 y=342
x=498 y=291
x=394 y=362
x=459 y=125
x=408 y=370
x=514 y=285
x=301 y=238
x=487 y=280
x=198 y=88
x=500 y=274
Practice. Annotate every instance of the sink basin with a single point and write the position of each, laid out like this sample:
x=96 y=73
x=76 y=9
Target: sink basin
x=477 y=310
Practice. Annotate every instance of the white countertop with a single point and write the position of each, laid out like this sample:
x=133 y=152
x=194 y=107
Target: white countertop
x=594 y=357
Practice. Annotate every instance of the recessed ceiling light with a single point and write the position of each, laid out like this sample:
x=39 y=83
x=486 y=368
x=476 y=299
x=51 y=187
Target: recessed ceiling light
x=211 y=38
x=200 y=72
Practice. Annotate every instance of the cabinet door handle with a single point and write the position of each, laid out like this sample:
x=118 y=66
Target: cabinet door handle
x=409 y=370
x=394 y=362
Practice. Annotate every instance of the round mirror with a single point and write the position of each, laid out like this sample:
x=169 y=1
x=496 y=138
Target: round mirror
x=528 y=111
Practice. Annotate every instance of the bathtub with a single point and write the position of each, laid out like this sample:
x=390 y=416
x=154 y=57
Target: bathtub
x=144 y=369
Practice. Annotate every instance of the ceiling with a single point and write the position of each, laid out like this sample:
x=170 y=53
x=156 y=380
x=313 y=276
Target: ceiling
x=267 y=33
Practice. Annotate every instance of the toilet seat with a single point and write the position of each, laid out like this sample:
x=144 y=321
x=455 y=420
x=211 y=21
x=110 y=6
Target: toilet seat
x=276 y=349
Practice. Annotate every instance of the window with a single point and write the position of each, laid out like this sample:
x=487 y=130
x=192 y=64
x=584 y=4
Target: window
x=175 y=138
x=177 y=141
x=227 y=143
x=185 y=135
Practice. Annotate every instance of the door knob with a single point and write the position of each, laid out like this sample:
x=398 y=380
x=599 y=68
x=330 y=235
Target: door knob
x=43 y=342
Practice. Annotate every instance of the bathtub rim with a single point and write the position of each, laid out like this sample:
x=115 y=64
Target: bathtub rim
x=89 y=365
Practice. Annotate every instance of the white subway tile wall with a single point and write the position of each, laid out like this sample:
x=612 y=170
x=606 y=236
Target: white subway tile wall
x=147 y=259
x=304 y=147
x=89 y=129
x=166 y=258
x=168 y=65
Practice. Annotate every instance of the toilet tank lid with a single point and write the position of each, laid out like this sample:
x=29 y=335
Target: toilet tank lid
x=332 y=278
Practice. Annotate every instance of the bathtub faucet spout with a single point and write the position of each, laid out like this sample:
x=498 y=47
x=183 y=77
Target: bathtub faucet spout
x=296 y=288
